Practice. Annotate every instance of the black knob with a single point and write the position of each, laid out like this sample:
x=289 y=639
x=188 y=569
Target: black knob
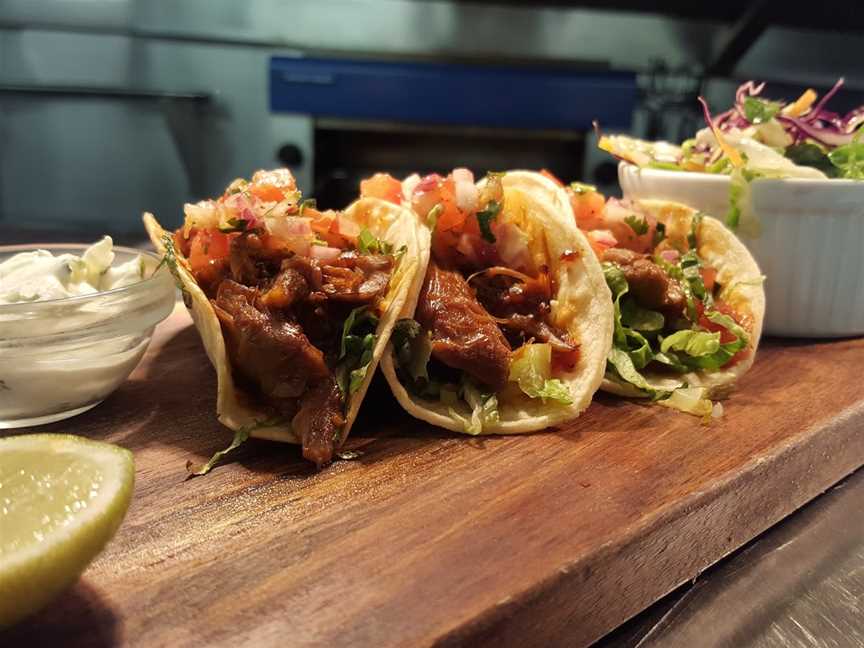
x=290 y=155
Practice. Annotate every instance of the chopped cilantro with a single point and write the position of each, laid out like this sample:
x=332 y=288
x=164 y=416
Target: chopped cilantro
x=368 y=243
x=485 y=217
x=235 y=225
x=304 y=204
x=639 y=224
x=693 y=236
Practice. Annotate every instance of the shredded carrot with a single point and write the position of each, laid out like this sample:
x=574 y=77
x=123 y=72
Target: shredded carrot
x=802 y=104
x=730 y=152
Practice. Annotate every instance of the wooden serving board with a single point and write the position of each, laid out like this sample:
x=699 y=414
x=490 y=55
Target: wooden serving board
x=430 y=538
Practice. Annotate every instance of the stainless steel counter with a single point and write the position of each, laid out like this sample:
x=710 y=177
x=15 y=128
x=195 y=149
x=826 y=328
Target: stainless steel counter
x=800 y=584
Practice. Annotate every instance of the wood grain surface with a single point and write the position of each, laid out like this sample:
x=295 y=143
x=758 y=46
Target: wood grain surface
x=429 y=538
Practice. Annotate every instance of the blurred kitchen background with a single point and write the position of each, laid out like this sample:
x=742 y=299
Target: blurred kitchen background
x=111 y=107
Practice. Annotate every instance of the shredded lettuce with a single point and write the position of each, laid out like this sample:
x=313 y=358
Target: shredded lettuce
x=484 y=407
x=727 y=350
x=738 y=189
x=666 y=166
x=694 y=343
x=692 y=400
x=355 y=378
x=812 y=155
x=531 y=369
x=625 y=368
x=703 y=349
x=554 y=390
x=849 y=158
x=240 y=437
x=412 y=347
x=641 y=319
x=356 y=349
x=759 y=111
x=638 y=338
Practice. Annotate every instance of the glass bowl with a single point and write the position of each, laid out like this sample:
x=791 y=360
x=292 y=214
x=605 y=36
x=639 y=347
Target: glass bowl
x=61 y=357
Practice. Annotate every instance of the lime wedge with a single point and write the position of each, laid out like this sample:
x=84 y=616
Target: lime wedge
x=61 y=499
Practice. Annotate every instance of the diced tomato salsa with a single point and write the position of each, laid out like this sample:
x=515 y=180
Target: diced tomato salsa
x=725 y=335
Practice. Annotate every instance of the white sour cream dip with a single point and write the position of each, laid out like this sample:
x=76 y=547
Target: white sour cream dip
x=39 y=275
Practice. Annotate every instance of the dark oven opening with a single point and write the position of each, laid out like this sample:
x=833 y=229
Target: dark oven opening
x=348 y=151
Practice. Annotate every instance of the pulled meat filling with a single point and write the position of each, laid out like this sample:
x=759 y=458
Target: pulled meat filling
x=520 y=305
x=267 y=347
x=474 y=326
x=282 y=321
x=464 y=335
x=649 y=284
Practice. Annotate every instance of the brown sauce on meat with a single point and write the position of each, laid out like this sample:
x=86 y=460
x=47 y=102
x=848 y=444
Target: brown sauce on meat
x=649 y=284
x=464 y=336
x=281 y=316
x=474 y=326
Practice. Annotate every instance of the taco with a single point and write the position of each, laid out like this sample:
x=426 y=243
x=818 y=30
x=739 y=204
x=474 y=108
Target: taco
x=294 y=305
x=688 y=299
x=510 y=329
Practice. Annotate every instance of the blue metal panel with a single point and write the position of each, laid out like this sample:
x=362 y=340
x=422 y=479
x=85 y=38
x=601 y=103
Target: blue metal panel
x=436 y=93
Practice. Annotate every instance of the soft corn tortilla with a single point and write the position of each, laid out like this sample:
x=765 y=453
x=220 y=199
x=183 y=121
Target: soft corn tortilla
x=741 y=288
x=388 y=222
x=582 y=306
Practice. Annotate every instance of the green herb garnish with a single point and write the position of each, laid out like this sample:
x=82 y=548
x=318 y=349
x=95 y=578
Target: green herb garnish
x=639 y=224
x=368 y=243
x=849 y=158
x=812 y=155
x=240 y=437
x=235 y=225
x=759 y=111
x=693 y=236
x=485 y=217
x=355 y=349
x=412 y=347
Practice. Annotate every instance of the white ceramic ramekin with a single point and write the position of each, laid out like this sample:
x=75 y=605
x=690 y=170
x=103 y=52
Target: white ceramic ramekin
x=811 y=248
